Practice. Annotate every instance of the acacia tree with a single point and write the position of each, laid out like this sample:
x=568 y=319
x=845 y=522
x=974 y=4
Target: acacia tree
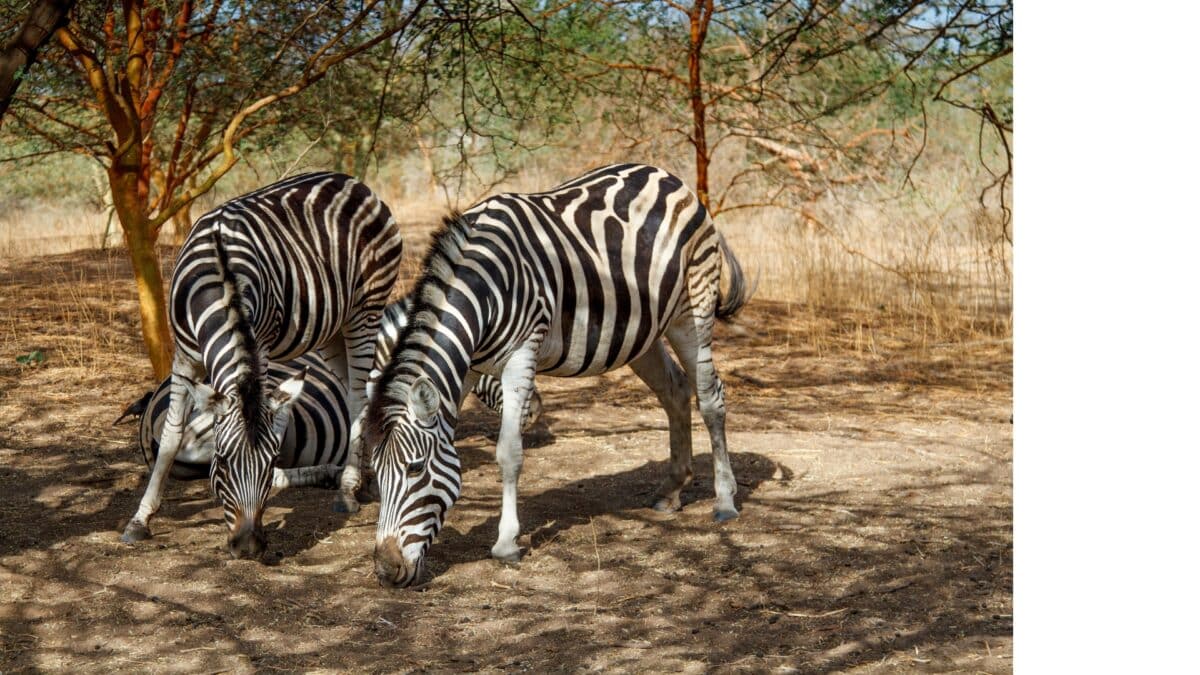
x=792 y=89
x=166 y=95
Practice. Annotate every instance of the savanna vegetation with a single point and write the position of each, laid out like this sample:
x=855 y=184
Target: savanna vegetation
x=856 y=154
x=860 y=151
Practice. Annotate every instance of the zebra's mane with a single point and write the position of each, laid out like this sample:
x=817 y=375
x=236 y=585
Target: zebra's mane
x=249 y=378
x=437 y=270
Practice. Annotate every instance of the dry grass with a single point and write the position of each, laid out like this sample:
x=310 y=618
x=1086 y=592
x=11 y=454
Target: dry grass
x=83 y=313
x=45 y=229
x=929 y=254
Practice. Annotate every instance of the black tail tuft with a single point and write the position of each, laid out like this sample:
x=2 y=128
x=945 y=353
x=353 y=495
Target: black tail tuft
x=136 y=408
x=739 y=294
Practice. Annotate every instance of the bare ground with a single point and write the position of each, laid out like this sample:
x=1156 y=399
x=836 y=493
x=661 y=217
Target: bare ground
x=875 y=486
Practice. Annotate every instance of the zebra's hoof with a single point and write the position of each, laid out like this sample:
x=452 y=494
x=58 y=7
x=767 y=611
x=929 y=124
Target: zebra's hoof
x=667 y=505
x=508 y=558
x=723 y=515
x=135 y=532
x=345 y=504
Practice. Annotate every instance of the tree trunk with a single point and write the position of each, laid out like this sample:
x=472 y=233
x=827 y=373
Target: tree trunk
x=140 y=237
x=699 y=17
x=147 y=271
x=19 y=54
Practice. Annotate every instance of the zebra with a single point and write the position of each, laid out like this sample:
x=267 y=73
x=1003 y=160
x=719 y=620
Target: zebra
x=303 y=264
x=314 y=445
x=318 y=437
x=575 y=281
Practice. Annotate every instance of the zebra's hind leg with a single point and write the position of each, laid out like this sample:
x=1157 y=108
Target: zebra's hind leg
x=668 y=381
x=138 y=527
x=321 y=475
x=490 y=393
x=691 y=338
x=350 y=356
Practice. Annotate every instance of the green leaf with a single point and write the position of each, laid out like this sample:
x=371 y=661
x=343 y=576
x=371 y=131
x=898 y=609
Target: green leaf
x=32 y=358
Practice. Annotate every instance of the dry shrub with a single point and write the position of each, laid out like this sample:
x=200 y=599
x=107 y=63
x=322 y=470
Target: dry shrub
x=943 y=272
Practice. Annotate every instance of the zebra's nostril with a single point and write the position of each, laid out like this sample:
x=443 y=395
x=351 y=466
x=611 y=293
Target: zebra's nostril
x=247 y=545
x=386 y=573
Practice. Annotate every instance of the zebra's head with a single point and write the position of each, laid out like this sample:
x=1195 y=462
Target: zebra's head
x=419 y=480
x=248 y=430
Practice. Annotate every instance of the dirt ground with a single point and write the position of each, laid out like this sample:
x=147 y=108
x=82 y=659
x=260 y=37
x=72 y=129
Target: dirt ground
x=875 y=487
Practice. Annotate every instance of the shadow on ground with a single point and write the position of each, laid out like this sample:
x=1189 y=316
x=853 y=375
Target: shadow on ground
x=876 y=530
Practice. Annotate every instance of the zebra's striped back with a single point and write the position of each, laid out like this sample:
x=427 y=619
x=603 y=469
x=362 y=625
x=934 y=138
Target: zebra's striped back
x=319 y=432
x=303 y=255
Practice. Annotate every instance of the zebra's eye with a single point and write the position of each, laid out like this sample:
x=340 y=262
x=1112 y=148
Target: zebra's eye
x=415 y=468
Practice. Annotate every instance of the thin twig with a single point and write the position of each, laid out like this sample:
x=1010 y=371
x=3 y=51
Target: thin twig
x=596 y=549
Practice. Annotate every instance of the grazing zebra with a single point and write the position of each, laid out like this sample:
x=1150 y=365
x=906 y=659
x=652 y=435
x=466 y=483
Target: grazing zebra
x=302 y=264
x=576 y=281
x=314 y=445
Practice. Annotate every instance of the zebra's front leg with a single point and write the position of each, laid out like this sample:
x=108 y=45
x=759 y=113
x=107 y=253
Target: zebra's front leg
x=347 y=499
x=138 y=527
x=517 y=382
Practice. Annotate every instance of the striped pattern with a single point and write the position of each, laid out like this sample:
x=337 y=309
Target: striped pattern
x=306 y=263
x=318 y=436
x=576 y=281
x=487 y=389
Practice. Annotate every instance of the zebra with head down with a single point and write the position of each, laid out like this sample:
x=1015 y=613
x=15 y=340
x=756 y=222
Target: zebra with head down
x=575 y=281
x=314 y=445
x=300 y=265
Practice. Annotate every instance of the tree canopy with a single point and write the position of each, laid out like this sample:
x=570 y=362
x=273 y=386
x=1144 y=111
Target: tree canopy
x=799 y=96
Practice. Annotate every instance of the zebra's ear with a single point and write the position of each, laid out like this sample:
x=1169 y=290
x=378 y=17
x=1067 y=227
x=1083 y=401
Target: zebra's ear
x=207 y=399
x=424 y=402
x=282 y=400
x=288 y=391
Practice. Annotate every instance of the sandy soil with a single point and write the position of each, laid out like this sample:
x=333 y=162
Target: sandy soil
x=875 y=486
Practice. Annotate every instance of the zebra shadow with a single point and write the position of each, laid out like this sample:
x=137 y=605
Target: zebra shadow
x=625 y=496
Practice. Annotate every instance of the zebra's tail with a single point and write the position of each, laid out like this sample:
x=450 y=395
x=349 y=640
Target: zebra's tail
x=136 y=408
x=729 y=304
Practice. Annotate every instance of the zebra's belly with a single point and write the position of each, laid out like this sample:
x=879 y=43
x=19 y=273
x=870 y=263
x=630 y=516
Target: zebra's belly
x=583 y=358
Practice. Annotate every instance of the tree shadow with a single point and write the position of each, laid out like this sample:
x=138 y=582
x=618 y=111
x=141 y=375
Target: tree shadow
x=627 y=495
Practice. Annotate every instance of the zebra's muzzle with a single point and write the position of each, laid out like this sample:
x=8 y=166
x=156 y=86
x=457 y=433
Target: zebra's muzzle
x=392 y=568
x=247 y=543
